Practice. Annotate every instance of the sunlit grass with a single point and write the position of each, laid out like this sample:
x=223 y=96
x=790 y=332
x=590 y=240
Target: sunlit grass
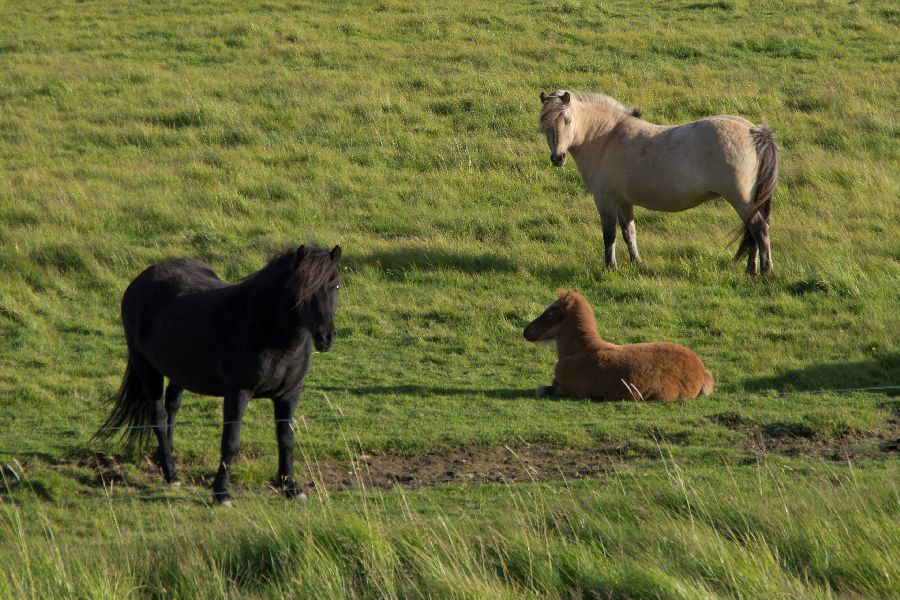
x=406 y=132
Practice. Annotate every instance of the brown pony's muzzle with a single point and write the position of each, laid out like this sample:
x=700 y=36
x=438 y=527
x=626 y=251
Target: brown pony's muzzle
x=531 y=333
x=558 y=160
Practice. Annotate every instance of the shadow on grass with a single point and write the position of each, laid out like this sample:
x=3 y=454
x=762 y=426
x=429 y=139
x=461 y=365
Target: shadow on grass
x=423 y=258
x=397 y=262
x=876 y=373
x=418 y=390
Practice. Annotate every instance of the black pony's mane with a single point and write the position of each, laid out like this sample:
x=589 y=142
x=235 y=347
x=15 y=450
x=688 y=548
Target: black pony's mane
x=312 y=273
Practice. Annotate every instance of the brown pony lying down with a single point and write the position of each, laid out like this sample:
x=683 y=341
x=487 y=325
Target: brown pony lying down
x=587 y=366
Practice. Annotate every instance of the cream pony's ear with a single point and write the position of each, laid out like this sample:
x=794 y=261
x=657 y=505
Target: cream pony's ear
x=543 y=98
x=566 y=98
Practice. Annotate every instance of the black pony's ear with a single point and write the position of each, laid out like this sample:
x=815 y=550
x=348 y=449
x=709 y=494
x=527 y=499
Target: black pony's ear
x=566 y=98
x=543 y=98
x=299 y=254
x=335 y=254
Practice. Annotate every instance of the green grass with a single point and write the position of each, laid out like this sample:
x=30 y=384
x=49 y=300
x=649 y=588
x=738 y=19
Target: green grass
x=770 y=530
x=407 y=133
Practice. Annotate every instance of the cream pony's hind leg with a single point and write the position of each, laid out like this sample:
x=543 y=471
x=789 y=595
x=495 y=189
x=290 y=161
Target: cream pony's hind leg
x=756 y=233
x=608 y=214
x=760 y=230
x=752 y=257
x=629 y=231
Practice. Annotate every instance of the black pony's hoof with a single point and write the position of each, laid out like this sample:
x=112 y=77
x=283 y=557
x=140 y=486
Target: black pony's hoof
x=175 y=483
x=222 y=499
x=292 y=492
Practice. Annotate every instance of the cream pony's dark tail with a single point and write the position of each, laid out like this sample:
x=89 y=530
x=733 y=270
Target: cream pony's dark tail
x=766 y=177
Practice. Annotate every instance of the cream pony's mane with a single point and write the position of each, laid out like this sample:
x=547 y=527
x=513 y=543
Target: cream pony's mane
x=551 y=110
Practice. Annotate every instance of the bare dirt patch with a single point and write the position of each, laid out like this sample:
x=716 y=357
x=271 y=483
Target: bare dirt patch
x=793 y=439
x=465 y=465
x=505 y=464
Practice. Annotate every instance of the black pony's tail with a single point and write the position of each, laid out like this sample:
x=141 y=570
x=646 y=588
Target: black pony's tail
x=766 y=177
x=131 y=415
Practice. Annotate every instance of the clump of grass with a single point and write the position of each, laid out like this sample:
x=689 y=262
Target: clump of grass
x=755 y=531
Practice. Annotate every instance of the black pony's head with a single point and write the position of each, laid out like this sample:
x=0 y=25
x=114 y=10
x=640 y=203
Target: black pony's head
x=314 y=285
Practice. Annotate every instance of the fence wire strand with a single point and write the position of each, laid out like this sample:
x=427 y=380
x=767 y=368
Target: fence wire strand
x=340 y=417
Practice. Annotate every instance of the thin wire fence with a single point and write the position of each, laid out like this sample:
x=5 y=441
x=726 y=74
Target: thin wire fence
x=340 y=417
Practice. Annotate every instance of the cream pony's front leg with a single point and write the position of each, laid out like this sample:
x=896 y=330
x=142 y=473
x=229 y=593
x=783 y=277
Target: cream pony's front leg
x=609 y=211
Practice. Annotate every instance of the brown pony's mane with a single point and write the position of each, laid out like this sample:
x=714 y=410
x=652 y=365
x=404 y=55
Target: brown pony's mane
x=580 y=312
x=551 y=110
x=314 y=272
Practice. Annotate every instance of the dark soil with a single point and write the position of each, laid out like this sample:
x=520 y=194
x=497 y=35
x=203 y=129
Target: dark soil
x=464 y=465
x=533 y=462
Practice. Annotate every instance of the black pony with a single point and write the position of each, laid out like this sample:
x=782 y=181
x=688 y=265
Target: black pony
x=250 y=339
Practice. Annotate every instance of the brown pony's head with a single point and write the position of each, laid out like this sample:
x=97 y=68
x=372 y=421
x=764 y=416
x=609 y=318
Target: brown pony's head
x=548 y=324
x=556 y=124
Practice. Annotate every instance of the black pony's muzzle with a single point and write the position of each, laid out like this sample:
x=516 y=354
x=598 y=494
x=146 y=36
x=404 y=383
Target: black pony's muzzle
x=558 y=159
x=323 y=341
x=529 y=333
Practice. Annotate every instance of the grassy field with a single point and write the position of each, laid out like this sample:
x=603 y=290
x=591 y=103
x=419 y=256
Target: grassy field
x=406 y=133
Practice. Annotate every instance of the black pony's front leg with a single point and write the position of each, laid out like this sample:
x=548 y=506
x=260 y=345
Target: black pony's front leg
x=233 y=410
x=284 y=432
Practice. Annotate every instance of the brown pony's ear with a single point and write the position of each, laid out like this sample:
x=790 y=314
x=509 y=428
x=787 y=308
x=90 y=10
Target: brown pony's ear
x=543 y=98
x=566 y=297
x=335 y=254
x=566 y=98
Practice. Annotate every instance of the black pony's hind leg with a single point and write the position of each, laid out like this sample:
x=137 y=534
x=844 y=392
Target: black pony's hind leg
x=173 y=402
x=152 y=380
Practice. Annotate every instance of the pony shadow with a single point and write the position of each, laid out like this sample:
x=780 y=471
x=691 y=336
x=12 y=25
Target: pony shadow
x=876 y=373
x=417 y=257
x=17 y=454
x=397 y=262
x=417 y=390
